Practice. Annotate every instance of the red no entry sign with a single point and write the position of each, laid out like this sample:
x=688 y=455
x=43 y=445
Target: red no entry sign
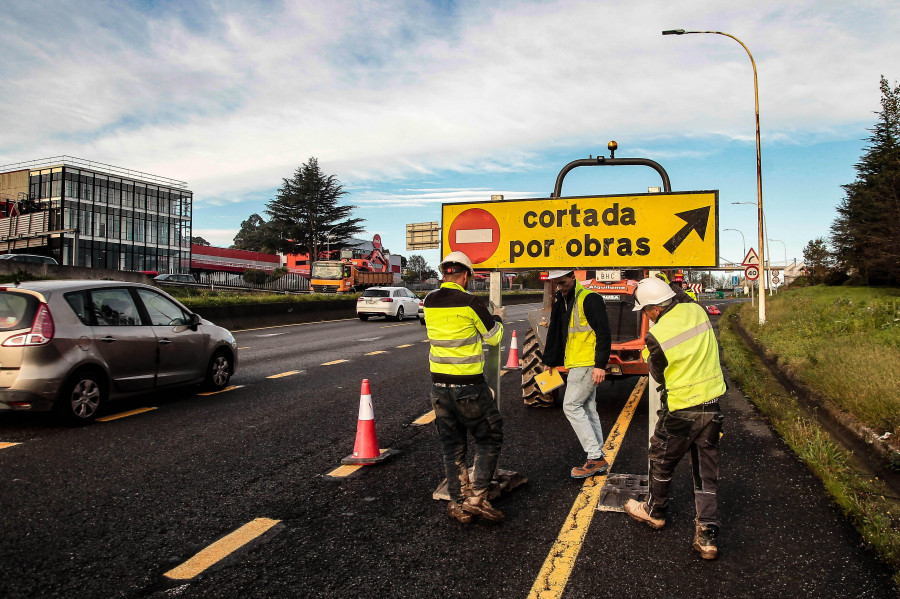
x=476 y=233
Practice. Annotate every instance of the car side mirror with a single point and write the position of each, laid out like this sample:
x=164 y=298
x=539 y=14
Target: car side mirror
x=194 y=321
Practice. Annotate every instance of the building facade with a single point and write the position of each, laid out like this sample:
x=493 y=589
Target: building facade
x=95 y=215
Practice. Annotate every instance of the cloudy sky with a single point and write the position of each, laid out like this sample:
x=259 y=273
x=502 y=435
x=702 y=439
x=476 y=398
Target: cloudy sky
x=411 y=104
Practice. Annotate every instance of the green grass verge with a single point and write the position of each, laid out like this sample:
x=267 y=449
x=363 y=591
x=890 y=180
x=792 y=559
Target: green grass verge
x=841 y=342
x=865 y=499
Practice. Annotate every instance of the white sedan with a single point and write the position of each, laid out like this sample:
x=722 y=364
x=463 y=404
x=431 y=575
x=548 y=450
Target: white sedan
x=390 y=302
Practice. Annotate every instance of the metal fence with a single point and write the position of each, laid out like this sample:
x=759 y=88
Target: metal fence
x=290 y=282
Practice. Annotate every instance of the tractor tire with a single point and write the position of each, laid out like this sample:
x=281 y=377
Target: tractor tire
x=531 y=367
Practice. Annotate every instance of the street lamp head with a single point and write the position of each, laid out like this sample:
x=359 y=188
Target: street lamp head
x=673 y=32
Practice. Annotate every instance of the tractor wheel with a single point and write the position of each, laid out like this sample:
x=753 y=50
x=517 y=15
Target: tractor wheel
x=531 y=367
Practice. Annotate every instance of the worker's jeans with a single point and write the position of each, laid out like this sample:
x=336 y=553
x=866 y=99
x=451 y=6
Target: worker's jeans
x=473 y=409
x=580 y=407
x=677 y=433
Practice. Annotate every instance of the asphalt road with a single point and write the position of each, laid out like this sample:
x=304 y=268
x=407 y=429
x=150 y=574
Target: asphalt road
x=108 y=509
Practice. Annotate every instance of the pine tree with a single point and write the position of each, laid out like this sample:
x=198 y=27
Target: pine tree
x=866 y=233
x=306 y=215
x=255 y=236
x=817 y=259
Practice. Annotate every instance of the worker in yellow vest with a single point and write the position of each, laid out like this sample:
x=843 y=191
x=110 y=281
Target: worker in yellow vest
x=579 y=341
x=457 y=324
x=683 y=357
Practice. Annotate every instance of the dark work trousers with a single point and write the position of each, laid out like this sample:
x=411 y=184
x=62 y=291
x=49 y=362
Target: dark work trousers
x=462 y=409
x=691 y=429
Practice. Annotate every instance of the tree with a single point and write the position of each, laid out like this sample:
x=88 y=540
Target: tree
x=305 y=214
x=865 y=233
x=255 y=236
x=818 y=260
x=199 y=241
x=418 y=270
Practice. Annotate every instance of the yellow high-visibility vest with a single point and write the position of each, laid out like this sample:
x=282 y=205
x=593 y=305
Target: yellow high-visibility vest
x=582 y=340
x=693 y=374
x=456 y=334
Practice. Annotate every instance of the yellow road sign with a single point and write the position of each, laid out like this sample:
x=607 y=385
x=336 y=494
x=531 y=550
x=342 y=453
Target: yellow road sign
x=618 y=231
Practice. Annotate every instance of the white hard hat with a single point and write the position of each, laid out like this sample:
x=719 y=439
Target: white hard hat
x=555 y=274
x=650 y=292
x=457 y=258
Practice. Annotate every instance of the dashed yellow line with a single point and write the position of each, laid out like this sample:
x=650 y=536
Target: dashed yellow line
x=375 y=353
x=348 y=469
x=402 y=324
x=125 y=414
x=333 y=362
x=424 y=419
x=5 y=445
x=245 y=347
x=554 y=574
x=288 y=373
x=402 y=346
x=221 y=549
x=231 y=388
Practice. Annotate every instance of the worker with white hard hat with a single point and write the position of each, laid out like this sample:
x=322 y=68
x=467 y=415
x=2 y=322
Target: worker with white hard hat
x=579 y=341
x=458 y=324
x=683 y=357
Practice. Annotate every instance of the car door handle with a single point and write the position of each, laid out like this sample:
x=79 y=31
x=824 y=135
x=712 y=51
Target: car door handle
x=107 y=339
x=165 y=341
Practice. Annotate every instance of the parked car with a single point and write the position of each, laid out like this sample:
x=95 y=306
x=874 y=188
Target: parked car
x=709 y=290
x=713 y=310
x=390 y=302
x=173 y=277
x=71 y=346
x=30 y=258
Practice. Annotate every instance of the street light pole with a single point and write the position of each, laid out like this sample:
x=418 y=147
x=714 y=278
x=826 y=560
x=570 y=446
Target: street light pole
x=766 y=267
x=759 y=197
x=743 y=241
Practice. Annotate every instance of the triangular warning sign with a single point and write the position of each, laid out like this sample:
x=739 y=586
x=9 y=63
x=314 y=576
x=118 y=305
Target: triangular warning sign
x=751 y=259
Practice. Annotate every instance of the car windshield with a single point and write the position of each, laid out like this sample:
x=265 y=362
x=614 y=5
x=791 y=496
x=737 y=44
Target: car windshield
x=377 y=293
x=16 y=311
x=327 y=271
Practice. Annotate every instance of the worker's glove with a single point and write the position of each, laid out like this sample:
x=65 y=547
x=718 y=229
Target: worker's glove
x=501 y=312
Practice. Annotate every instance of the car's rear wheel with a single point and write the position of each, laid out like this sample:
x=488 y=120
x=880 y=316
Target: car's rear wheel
x=400 y=313
x=364 y=317
x=82 y=396
x=218 y=372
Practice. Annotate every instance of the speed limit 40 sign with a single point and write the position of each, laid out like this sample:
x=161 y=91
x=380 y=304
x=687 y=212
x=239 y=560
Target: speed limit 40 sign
x=752 y=273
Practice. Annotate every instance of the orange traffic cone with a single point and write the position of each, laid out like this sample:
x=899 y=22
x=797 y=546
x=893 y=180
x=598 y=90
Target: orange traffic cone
x=366 y=450
x=513 y=362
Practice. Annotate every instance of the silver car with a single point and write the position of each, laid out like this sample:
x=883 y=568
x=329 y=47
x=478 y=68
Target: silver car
x=390 y=302
x=72 y=345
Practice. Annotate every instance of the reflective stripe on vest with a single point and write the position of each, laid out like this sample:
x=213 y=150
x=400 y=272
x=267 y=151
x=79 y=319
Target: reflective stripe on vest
x=581 y=343
x=456 y=335
x=693 y=374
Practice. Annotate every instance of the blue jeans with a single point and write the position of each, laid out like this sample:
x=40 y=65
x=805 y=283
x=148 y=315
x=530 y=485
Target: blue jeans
x=580 y=407
x=461 y=410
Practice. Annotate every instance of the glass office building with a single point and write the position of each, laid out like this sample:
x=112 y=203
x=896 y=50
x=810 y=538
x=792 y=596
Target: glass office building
x=100 y=216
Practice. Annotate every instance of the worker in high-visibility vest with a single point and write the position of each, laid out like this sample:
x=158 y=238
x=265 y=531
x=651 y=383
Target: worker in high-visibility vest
x=579 y=341
x=677 y=286
x=458 y=323
x=683 y=357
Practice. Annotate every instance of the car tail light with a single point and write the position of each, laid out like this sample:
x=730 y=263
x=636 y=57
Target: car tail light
x=387 y=299
x=41 y=332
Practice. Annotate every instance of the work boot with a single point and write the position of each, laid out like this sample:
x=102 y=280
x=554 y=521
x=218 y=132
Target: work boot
x=454 y=510
x=481 y=507
x=705 y=536
x=590 y=468
x=638 y=511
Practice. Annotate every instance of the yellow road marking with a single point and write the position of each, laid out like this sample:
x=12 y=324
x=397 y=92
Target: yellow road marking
x=373 y=353
x=288 y=373
x=296 y=324
x=334 y=362
x=402 y=346
x=221 y=549
x=245 y=347
x=124 y=414
x=231 y=388
x=348 y=469
x=5 y=445
x=425 y=340
x=424 y=418
x=554 y=574
x=403 y=324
